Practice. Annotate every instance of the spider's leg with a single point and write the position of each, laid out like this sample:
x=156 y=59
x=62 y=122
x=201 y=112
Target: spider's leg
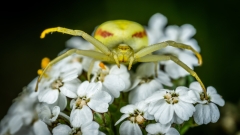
x=87 y=37
x=156 y=69
x=154 y=58
x=90 y=69
x=155 y=47
x=90 y=53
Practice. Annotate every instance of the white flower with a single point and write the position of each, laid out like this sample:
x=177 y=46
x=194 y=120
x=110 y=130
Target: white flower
x=206 y=110
x=169 y=106
x=181 y=34
x=145 y=82
x=136 y=114
x=91 y=96
x=40 y=128
x=155 y=27
x=36 y=128
x=114 y=80
x=159 y=129
x=65 y=83
x=79 y=43
x=48 y=115
x=72 y=62
x=21 y=114
x=88 y=128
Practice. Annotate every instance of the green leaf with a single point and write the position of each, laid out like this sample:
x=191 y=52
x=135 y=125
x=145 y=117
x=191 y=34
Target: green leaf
x=98 y=118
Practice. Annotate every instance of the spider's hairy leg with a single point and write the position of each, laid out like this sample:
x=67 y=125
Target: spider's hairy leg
x=155 y=47
x=187 y=47
x=86 y=36
x=90 y=69
x=90 y=53
x=154 y=58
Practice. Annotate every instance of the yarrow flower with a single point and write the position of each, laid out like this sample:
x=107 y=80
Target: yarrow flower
x=114 y=79
x=170 y=106
x=206 y=109
x=87 y=128
x=90 y=96
x=48 y=115
x=147 y=81
x=65 y=83
x=137 y=114
x=22 y=117
x=181 y=34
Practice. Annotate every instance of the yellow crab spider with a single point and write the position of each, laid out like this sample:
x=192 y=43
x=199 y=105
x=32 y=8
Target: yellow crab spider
x=122 y=41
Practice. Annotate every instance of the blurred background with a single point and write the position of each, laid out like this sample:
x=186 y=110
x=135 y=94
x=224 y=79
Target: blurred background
x=217 y=24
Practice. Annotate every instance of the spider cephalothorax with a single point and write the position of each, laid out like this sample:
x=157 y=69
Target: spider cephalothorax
x=125 y=42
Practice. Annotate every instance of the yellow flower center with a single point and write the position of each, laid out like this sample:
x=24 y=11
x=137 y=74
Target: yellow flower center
x=80 y=102
x=137 y=117
x=171 y=97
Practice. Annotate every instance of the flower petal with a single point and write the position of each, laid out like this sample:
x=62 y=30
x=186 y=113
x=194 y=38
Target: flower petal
x=55 y=113
x=15 y=123
x=124 y=116
x=215 y=114
x=166 y=115
x=154 y=106
x=102 y=96
x=196 y=86
x=68 y=76
x=187 y=31
x=61 y=102
x=68 y=92
x=49 y=96
x=143 y=91
x=157 y=128
x=128 y=109
x=114 y=83
x=61 y=129
x=129 y=128
x=82 y=89
x=198 y=114
x=172 y=131
x=98 y=106
x=80 y=116
x=217 y=99
x=40 y=128
x=90 y=128
x=158 y=95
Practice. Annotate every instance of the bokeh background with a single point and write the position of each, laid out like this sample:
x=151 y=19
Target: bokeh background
x=217 y=24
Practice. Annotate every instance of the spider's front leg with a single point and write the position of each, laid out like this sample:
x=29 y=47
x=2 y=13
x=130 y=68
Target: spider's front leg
x=90 y=53
x=154 y=58
x=158 y=46
x=81 y=33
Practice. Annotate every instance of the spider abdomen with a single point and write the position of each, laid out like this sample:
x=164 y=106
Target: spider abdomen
x=113 y=33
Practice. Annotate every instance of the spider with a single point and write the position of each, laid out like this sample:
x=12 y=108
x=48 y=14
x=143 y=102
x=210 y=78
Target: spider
x=122 y=41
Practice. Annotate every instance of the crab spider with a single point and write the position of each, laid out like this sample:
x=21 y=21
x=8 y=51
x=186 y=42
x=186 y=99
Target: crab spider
x=122 y=41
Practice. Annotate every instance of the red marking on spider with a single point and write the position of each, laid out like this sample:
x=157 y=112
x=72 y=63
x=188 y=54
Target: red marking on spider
x=103 y=33
x=140 y=34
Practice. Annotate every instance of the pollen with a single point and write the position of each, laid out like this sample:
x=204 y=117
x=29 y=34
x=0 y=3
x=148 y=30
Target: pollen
x=45 y=62
x=102 y=66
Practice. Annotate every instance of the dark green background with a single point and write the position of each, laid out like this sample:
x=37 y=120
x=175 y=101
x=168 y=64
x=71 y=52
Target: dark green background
x=217 y=25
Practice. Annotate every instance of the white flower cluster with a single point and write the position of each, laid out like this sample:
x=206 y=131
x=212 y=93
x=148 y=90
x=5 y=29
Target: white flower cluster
x=66 y=102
